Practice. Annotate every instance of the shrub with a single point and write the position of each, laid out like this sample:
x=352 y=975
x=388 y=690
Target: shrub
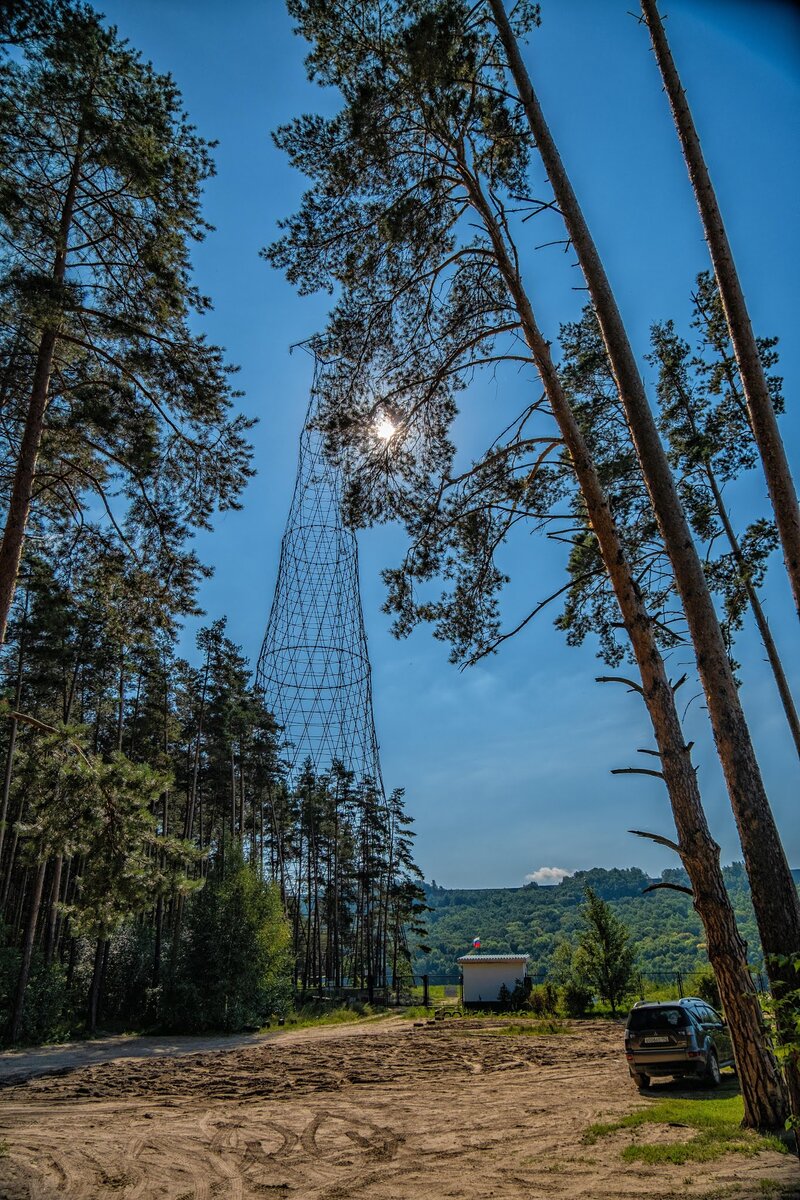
x=520 y=997
x=129 y=974
x=233 y=963
x=576 y=998
x=44 y=999
x=544 y=1000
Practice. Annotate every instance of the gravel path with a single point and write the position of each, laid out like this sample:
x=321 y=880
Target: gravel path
x=18 y=1065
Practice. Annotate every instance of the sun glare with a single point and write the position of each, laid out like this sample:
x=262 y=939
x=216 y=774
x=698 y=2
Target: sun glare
x=385 y=429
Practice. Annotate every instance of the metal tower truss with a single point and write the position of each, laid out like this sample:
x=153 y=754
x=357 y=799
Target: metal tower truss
x=314 y=668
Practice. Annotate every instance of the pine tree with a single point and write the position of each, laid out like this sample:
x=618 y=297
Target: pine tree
x=705 y=420
x=775 y=896
x=418 y=184
x=755 y=385
x=78 y=804
x=703 y=417
x=605 y=957
x=109 y=393
x=234 y=964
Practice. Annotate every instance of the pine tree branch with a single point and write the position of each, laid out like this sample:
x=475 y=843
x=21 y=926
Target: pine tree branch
x=14 y=715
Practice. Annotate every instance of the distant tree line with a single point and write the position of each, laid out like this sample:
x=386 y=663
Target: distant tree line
x=157 y=864
x=664 y=926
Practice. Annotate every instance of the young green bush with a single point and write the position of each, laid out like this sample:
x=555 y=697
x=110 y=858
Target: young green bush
x=543 y=1000
x=129 y=975
x=44 y=1016
x=232 y=967
x=576 y=998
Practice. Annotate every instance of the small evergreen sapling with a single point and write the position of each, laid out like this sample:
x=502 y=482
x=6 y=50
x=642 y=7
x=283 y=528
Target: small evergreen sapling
x=605 y=957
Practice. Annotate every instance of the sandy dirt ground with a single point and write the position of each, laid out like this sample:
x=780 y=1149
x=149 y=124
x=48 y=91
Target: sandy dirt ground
x=383 y=1110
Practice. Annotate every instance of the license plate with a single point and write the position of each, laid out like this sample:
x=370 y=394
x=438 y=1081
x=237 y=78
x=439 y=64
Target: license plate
x=655 y=1041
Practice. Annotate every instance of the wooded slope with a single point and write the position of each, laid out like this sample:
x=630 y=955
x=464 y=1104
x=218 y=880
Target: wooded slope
x=532 y=919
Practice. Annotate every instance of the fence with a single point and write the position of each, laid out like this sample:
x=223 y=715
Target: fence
x=435 y=990
x=407 y=990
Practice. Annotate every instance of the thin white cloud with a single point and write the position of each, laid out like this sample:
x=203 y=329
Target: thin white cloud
x=548 y=875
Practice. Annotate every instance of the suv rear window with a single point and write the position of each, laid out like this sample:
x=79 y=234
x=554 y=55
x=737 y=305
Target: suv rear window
x=658 y=1018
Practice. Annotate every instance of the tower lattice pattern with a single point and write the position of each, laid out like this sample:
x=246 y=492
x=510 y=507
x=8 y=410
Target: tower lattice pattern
x=314 y=666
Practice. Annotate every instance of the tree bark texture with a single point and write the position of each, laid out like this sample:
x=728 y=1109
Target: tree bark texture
x=764 y=1100
x=759 y=404
x=774 y=894
x=22 y=486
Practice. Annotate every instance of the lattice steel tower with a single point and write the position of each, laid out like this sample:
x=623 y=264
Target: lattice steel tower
x=314 y=667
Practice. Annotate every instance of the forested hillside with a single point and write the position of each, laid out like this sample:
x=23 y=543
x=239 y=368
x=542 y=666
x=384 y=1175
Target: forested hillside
x=532 y=919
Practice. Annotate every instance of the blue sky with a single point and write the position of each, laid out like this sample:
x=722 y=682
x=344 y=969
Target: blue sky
x=507 y=766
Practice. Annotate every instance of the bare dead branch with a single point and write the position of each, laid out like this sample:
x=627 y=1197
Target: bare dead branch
x=637 y=771
x=656 y=837
x=634 y=687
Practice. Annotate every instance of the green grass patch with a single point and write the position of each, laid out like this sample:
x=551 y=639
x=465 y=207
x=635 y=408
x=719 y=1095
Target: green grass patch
x=717 y=1126
x=313 y=1014
x=438 y=993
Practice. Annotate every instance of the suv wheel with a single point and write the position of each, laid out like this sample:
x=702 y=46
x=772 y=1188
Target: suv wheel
x=641 y=1081
x=713 y=1074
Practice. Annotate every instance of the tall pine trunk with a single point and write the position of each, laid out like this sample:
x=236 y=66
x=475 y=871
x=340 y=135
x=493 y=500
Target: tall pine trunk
x=12 y=737
x=52 y=911
x=27 y=953
x=159 y=927
x=7 y=776
x=22 y=486
x=761 y=1086
x=192 y=799
x=96 y=984
x=759 y=404
x=771 y=649
x=774 y=894
x=121 y=698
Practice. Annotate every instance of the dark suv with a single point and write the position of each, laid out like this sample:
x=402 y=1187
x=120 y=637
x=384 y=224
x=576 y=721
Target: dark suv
x=676 y=1037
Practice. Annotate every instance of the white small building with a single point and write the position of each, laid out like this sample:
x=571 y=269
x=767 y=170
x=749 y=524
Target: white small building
x=484 y=975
